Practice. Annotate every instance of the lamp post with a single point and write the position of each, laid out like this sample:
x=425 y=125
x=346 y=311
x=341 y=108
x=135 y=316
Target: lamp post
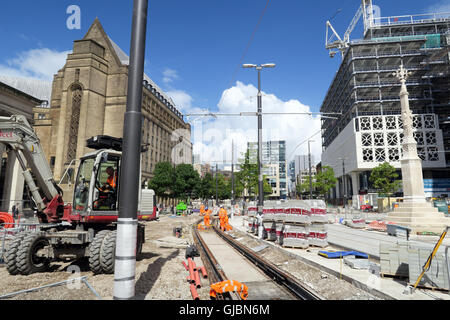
x=232 y=180
x=310 y=170
x=127 y=223
x=344 y=181
x=217 y=185
x=260 y=176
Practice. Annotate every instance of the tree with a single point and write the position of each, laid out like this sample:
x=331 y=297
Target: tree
x=266 y=187
x=206 y=187
x=186 y=181
x=304 y=187
x=223 y=187
x=247 y=178
x=325 y=180
x=162 y=182
x=384 y=180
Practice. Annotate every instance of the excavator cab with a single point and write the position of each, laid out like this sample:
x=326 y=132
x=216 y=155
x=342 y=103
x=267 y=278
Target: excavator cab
x=96 y=190
x=96 y=193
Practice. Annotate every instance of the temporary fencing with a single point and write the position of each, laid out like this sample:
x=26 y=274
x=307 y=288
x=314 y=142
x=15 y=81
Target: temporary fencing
x=57 y=284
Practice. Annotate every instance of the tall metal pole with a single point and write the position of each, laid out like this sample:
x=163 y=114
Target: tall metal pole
x=217 y=184
x=232 y=180
x=310 y=171
x=125 y=259
x=260 y=176
x=344 y=182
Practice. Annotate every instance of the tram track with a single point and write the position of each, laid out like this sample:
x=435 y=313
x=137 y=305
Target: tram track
x=284 y=281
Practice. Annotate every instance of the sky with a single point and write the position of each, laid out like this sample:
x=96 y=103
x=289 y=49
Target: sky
x=194 y=52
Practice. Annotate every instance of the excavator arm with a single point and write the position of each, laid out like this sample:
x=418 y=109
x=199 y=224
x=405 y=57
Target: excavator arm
x=19 y=137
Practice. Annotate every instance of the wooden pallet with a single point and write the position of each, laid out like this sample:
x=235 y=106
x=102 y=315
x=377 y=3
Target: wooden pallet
x=298 y=224
x=392 y=275
x=291 y=247
x=426 y=287
x=321 y=247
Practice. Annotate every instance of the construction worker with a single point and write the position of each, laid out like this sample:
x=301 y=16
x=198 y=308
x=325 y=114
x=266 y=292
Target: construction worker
x=206 y=219
x=228 y=286
x=111 y=182
x=226 y=225
x=221 y=218
x=108 y=196
x=202 y=209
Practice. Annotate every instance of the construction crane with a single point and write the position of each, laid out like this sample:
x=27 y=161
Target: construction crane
x=334 y=43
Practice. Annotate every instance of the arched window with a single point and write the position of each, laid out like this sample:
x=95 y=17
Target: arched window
x=76 y=97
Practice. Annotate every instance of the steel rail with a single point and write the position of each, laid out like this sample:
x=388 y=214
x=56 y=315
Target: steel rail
x=275 y=273
x=215 y=272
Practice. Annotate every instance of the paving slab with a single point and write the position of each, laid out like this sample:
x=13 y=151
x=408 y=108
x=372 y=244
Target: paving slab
x=359 y=240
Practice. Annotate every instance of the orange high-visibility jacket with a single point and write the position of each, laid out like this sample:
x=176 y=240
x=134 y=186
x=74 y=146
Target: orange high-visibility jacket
x=229 y=286
x=112 y=180
x=202 y=209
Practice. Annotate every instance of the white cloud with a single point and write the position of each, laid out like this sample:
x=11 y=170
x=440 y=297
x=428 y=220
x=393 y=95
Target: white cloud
x=169 y=75
x=182 y=100
x=39 y=64
x=442 y=6
x=213 y=138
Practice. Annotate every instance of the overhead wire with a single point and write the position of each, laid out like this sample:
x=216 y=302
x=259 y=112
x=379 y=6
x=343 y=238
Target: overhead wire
x=249 y=44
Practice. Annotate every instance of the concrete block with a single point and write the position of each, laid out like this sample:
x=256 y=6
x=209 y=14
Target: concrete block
x=356 y=263
x=374 y=269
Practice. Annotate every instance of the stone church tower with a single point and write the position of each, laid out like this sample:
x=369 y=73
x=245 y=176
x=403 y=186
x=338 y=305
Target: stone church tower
x=89 y=96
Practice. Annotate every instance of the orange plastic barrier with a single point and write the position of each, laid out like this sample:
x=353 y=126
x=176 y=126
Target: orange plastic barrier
x=7 y=219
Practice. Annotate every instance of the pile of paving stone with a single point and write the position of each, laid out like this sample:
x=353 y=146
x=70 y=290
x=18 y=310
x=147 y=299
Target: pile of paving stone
x=295 y=224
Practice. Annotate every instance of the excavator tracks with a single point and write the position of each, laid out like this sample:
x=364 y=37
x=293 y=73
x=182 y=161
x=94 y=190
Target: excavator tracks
x=227 y=259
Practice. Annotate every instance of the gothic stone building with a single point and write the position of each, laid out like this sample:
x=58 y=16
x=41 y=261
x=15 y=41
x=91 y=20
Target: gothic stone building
x=89 y=96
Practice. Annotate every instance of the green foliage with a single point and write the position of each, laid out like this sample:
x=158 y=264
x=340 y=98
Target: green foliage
x=267 y=187
x=247 y=178
x=180 y=182
x=384 y=179
x=304 y=187
x=186 y=181
x=162 y=182
x=206 y=188
x=223 y=187
x=325 y=180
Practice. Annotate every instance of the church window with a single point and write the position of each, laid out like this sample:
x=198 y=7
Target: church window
x=76 y=95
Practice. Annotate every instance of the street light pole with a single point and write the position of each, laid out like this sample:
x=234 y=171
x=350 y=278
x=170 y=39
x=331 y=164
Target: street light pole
x=260 y=173
x=232 y=180
x=344 y=184
x=217 y=184
x=310 y=170
x=127 y=222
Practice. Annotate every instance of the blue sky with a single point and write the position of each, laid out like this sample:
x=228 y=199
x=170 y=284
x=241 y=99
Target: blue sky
x=194 y=48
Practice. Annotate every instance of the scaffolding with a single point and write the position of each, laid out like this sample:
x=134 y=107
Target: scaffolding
x=365 y=85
